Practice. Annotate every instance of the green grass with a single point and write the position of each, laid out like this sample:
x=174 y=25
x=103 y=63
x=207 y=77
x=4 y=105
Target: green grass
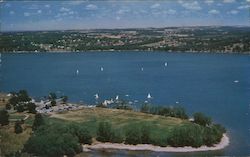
x=11 y=142
x=90 y=117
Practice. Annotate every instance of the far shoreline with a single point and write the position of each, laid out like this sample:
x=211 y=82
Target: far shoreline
x=136 y=50
x=148 y=147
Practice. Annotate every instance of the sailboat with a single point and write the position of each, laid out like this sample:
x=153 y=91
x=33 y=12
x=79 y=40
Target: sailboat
x=117 y=97
x=149 y=96
x=96 y=96
x=102 y=69
x=142 y=69
x=77 y=72
x=166 y=64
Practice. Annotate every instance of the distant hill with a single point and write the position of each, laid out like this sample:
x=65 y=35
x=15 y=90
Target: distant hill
x=178 y=39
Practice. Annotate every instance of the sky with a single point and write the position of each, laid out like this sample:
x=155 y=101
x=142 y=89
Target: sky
x=70 y=15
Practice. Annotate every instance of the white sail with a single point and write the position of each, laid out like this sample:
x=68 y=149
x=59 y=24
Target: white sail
x=102 y=69
x=166 y=64
x=77 y=72
x=149 y=96
x=117 y=97
x=142 y=69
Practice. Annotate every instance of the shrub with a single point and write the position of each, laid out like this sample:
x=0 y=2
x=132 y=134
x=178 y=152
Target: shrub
x=4 y=117
x=18 y=128
x=38 y=121
x=7 y=106
x=133 y=135
x=201 y=119
x=104 y=132
x=31 y=107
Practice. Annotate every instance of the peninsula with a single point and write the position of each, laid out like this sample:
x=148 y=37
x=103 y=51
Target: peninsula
x=55 y=127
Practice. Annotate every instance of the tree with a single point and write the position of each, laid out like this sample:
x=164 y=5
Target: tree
x=20 y=108
x=104 y=132
x=38 y=121
x=31 y=107
x=133 y=135
x=18 y=128
x=53 y=103
x=201 y=119
x=64 y=99
x=23 y=96
x=52 y=96
x=7 y=106
x=4 y=117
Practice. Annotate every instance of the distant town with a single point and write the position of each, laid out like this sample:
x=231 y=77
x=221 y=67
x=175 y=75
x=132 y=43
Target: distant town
x=212 y=39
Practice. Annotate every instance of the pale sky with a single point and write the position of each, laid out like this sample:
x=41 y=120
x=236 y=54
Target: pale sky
x=64 y=15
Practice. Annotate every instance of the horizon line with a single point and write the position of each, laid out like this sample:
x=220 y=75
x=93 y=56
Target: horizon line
x=120 y=28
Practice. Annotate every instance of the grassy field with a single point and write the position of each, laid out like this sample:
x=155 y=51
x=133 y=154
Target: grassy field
x=11 y=142
x=119 y=119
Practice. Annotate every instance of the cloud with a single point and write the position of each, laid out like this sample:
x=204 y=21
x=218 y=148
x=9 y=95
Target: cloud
x=190 y=5
x=123 y=11
x=63 y=9
x=156 y=5
x=91 y=7
x=26 y=14
x=39 y=11
x=228 y=1
x=234 y=12
x=12 y=12
x=170 y=12
x=213 y=11
x=209 y=2
x=243 y=7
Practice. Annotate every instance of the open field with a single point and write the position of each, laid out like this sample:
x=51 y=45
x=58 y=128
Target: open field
x=120 y=119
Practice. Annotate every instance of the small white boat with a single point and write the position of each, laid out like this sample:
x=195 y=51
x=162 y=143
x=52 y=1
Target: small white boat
x=126 y=95
x=166 y=64
x=117 y=97
x=236 y=81
x=142 y=69
x=77 y=72
x=96 y=96
x=149 y=96
x=102 y=69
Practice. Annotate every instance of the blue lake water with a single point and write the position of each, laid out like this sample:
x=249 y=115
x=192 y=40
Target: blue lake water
x=199 y=82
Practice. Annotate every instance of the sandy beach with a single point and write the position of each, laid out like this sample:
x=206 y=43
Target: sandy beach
x=148 y=147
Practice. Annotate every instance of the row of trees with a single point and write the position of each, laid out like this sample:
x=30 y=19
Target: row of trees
x=178 y=112
x=186 y=135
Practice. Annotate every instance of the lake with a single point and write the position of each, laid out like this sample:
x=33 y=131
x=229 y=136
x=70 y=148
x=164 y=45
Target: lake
x=216 y=84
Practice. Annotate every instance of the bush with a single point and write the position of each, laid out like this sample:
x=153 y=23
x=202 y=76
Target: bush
x=31 y=107
x=4 y=117
x=104 y=132
x=7 y=106
x=38 y=121
x=18 y=128
x=133 y=135
x=187 y=135
x=201 y=119
x=117 y=136
x=53 y=144
x=20 y=108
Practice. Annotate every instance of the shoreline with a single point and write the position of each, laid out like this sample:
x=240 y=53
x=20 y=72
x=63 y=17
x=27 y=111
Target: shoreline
x=148 y=147
x=136 y=50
